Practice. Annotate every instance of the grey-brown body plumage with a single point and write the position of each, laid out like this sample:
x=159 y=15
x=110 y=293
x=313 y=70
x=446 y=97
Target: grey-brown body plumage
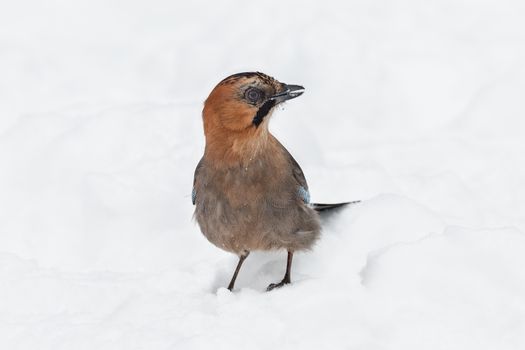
x=255 y=204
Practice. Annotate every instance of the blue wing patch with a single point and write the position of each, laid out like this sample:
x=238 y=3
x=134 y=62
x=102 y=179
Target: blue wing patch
x=304 y=194
x=193 y=195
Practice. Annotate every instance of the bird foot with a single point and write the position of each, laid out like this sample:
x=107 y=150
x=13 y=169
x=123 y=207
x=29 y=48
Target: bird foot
x=277 y=285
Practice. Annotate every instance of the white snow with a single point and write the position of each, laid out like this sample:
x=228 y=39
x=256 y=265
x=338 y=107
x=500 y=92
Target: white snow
x=415 y=107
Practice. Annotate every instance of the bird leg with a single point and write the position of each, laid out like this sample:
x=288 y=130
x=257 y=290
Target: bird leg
x=286 y=278
x=239 y=264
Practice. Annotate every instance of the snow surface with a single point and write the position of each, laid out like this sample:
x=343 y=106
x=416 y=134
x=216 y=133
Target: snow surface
x=415 y=107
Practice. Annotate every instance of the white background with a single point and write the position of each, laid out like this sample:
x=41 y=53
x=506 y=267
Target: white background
x=415 y=107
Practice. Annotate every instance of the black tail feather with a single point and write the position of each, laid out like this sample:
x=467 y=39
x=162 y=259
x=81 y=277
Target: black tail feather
x=326 y=207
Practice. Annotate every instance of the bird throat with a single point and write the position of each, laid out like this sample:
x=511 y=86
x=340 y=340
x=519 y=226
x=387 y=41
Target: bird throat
x=263 y=112
x=231 y=149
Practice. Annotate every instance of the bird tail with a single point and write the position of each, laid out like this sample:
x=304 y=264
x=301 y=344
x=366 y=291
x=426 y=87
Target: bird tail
x=328 y=207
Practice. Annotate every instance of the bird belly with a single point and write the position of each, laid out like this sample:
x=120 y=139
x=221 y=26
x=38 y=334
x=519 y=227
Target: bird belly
x=262 y=224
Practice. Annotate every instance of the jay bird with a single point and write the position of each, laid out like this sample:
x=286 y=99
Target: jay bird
x=249 y=192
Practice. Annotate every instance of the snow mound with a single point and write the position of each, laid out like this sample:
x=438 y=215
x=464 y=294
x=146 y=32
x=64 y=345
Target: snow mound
x=464 y=282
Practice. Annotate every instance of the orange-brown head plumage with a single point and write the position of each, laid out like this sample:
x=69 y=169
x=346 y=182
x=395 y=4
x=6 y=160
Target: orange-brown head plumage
x=236 y=114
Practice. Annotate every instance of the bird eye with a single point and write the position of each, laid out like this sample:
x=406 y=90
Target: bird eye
x=253 y=95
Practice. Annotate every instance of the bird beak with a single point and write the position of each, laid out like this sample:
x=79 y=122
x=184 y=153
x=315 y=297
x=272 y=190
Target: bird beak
x=289 y=92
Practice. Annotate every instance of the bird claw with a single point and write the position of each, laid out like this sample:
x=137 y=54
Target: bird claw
x=277 y=285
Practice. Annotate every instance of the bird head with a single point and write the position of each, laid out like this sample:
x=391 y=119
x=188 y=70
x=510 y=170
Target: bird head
x=237 y=110
x=246 y=100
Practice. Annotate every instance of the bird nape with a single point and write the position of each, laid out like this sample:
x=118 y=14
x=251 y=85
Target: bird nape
x=249 y=192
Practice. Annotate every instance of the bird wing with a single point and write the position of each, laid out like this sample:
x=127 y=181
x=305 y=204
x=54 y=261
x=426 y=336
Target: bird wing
x=297 y=172
x=196 y=174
